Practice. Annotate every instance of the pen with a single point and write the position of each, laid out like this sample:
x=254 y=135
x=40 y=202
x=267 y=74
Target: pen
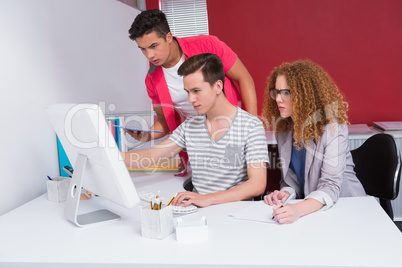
x=171 y=200
x=69 y=170
x=152 y=203
x=157 y=204
x=49 y=178
x=286 y=201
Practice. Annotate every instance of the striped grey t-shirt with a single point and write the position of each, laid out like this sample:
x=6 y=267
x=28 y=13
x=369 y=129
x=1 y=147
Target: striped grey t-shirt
x=222 y=164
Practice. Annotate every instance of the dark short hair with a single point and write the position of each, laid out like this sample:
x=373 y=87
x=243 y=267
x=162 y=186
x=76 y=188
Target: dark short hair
x=210 y=65
x=149 y=21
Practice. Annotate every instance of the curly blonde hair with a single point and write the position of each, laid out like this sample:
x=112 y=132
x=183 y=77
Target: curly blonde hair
x=316 y=100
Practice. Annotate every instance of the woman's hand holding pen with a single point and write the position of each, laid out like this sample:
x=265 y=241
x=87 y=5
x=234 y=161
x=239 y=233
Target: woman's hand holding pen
x=282 y=212
x=288 y=213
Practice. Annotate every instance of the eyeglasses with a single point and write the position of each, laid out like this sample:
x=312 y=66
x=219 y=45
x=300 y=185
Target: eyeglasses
x=285 y=93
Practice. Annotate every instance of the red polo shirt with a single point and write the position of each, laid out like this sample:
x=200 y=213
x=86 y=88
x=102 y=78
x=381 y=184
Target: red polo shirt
x=158 y=90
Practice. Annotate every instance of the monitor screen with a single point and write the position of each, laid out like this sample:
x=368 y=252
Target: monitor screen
x=97 y=162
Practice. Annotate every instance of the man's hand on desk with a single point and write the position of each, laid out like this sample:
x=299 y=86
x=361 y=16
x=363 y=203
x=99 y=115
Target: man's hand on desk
x=191 y=198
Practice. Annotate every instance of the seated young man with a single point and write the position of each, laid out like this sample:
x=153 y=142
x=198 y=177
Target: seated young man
x=226 y=146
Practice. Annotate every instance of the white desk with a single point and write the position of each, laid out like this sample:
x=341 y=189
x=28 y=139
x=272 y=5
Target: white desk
x=356 y=232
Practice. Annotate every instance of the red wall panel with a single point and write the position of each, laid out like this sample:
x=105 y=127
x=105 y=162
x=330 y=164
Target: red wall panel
x=152 y=4
x=357 y=41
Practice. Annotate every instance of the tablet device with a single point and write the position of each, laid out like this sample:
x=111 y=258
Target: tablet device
x=142 y=130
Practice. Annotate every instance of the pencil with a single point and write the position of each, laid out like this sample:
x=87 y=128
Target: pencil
x=171 y=200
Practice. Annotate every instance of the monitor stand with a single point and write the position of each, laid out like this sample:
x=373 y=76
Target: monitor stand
x=73 y=199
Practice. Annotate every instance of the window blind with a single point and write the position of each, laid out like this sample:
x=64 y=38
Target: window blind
x=186 y=17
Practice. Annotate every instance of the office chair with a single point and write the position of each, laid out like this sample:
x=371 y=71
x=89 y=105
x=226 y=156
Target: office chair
x=274 y=172
x=188 y=184
x=378 y=167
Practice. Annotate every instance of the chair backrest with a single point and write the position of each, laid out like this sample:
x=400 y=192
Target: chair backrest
x=378 y=166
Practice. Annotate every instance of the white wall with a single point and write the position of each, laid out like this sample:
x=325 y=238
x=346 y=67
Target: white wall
x=58 y=51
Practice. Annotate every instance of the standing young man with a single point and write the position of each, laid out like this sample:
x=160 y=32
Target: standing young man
x=166 y=53
x=226 y=146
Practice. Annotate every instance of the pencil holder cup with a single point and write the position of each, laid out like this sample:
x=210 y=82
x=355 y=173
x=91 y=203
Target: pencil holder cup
x=57 y=189
x=156 y=224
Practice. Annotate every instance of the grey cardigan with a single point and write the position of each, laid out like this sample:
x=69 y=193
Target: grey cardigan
x=329 y=166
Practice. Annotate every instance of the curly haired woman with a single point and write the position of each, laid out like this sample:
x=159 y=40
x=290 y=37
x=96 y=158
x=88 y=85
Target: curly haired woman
x=308 y=114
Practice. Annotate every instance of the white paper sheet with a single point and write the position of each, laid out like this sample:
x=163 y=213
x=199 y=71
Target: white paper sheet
x=259 y=211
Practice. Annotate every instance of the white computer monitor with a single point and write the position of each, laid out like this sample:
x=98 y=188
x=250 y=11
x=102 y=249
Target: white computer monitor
x=97 y=162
